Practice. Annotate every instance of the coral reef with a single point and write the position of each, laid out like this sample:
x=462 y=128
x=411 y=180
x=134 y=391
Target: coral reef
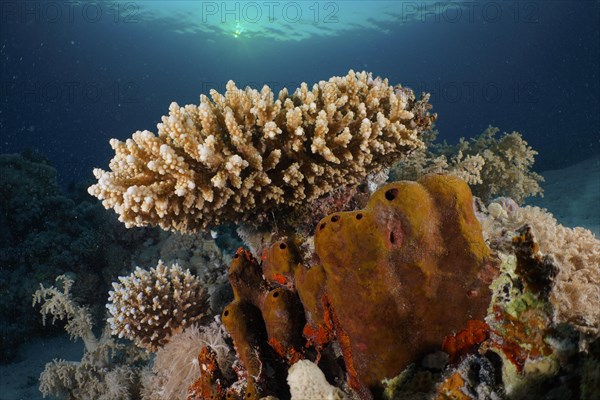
x=391 y=255
x=109 y=370
x=492 y=166
x=413 y=250
x=40 y=186
x=206 y=255
x=148 y=307
x=244 y=154
x=210 y=384
x=411 y=290
x=521 y=346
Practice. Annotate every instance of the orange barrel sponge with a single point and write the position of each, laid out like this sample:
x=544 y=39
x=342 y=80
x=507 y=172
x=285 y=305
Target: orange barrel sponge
x=403 y=273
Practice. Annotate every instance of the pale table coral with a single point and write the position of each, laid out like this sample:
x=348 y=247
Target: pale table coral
x=246 y=153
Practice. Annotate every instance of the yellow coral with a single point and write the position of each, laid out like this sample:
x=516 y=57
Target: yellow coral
x=244 y=153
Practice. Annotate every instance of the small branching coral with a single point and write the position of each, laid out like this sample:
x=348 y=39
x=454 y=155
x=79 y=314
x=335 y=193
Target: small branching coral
x=492 y=166
x=148 y=307
x=108 y=370
x=245 y=153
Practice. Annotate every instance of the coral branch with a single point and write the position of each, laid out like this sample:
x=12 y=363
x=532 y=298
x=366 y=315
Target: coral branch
x=245 y=153
x=150 y=306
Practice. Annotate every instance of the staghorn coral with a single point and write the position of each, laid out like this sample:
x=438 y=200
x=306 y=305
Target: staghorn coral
x=491 y=166
x=245 y=153
x=148 y=307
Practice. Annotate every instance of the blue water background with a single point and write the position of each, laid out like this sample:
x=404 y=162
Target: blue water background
x=71 y=84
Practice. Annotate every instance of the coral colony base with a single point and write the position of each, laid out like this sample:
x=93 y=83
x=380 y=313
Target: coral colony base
x=348 y=288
